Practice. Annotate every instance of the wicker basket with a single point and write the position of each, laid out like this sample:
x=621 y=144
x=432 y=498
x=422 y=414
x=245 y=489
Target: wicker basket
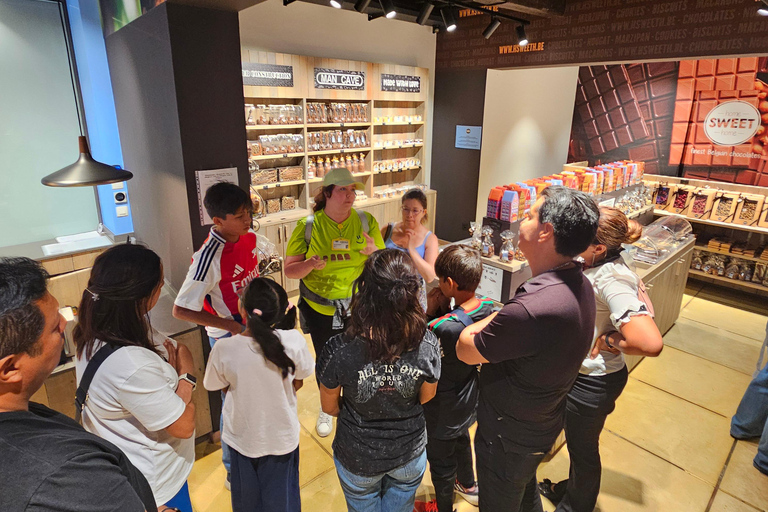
x=291 y=173
x=288 y=203
x=273 y=205
x=263 y=176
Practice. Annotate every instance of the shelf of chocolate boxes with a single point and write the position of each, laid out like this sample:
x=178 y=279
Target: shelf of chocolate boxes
x=714 y=206
x=337 y=141
x=397 y=120
x=740 y=261
x=396 y=165
x=398 y=143
x=274 y=115
x=336 y=113
x=269 y=147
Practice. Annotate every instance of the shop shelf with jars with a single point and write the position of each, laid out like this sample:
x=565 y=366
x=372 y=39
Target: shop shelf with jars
x=356 y=162
x=274 y=127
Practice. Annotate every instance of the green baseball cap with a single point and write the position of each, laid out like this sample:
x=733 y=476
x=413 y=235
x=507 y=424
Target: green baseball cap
x=343 y=178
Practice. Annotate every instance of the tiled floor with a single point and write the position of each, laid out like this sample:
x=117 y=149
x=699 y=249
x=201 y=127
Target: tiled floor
x=666 y=447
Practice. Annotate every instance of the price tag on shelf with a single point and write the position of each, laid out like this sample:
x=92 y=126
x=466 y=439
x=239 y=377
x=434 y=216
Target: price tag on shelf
x=285 y=155
x=341 y=125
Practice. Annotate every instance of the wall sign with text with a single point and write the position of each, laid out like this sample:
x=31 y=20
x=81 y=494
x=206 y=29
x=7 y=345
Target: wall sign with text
x=400 y=83
x=339 y=79
x=269 y=75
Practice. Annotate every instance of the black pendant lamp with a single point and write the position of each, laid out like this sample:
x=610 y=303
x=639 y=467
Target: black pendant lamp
x=86 y=171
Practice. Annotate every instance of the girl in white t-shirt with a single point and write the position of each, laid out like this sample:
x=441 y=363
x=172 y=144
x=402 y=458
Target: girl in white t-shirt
x=261 y=370
x=140 y=398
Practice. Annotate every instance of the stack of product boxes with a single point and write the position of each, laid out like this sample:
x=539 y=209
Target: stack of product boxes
x=510 y=202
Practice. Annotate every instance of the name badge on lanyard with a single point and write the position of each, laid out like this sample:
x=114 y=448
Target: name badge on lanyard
x=340 y=244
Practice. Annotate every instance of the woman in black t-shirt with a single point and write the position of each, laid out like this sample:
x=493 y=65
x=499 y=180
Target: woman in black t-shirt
x=375 y=377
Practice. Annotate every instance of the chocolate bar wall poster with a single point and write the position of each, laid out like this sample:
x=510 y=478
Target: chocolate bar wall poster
x=704 y=119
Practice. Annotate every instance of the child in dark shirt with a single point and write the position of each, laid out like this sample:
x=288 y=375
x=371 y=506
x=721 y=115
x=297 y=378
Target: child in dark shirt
x=450 y=414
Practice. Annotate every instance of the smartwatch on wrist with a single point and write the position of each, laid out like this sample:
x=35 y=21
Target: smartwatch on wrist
x=189 y=378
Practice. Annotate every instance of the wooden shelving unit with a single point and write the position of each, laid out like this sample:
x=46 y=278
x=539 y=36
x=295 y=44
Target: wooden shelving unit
x=751 y=235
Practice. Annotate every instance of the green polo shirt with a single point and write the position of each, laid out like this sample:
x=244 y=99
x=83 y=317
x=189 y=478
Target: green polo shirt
x=342 y=266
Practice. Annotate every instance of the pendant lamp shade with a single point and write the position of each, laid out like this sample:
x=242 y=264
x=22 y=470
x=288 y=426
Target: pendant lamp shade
x=86 y=172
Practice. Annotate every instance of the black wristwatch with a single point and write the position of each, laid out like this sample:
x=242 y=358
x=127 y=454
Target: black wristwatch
x=189 y=378
x=608 y=340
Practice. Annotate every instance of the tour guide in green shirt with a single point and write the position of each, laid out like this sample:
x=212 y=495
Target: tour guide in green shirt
x=327 y=251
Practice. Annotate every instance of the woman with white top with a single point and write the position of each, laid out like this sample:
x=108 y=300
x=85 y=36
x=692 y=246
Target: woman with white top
x=261 y=370
x=623 y=325
x=140 y=398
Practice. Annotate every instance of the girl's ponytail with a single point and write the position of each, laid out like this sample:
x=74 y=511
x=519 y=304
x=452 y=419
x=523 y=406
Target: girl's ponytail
x=265 y=304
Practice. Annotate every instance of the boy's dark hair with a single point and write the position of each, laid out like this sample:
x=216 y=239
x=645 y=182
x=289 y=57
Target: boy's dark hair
x=114 y=306
x=461 y=263
x=386 y=311
x=574 y=217
x=22 y=283
x=224 y=199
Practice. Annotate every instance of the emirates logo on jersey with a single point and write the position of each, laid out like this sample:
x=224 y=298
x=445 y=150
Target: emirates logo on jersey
x=238 y=270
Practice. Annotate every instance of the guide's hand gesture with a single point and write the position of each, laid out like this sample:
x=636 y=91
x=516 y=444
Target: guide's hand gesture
x=370 y=246
x=316 y=262
x=412 y=241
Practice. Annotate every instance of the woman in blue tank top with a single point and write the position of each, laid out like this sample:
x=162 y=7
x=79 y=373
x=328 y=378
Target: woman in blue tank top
x=412 y=236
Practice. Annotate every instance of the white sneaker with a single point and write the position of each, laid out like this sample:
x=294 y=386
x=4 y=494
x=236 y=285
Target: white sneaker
x=324 y=424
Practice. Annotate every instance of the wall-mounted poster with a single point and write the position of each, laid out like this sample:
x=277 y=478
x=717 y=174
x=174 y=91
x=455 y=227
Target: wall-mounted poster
x=705 y=119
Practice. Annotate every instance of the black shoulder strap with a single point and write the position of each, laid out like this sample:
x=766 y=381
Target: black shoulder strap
x=463 y=317
x=388 y=232
x=81 y=395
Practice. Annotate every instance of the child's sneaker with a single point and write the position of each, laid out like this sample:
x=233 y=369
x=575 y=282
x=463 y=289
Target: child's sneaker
x=324 y=425
x=425 y=506
x=228 y=482
x=470 y=494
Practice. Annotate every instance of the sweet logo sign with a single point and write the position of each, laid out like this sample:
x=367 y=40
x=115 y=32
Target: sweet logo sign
x=732 y=123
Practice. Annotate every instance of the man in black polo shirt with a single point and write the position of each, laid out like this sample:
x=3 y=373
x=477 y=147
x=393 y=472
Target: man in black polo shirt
x=47 y=461
x=531 y=351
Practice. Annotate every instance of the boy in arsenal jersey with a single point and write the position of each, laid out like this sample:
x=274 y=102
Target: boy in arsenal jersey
x=225 y=264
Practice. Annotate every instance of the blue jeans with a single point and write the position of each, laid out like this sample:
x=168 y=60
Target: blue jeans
x=226 y=456
x=394 y=491
x=751 y=419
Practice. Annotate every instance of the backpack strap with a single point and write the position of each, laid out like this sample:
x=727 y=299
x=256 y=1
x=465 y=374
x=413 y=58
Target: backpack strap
x=81 y=395
x=308 y=229
x=463 y=317
x=363 y=220
x=388 y=232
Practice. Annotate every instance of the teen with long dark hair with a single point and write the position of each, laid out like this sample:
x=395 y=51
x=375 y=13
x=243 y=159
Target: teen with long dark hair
x=140 y=398
x=375 y=377
x=261 y=370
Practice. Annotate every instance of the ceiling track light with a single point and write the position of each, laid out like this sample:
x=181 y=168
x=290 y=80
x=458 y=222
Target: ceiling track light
x=522 y=39
x=389 y=8
x=362 y=5
x=491 y=28
x=763 y=9
x=425 y=12
x=448 y=18
x=288 y=2
x=336 y=4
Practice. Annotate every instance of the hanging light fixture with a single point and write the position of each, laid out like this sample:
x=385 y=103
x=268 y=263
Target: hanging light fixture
x=389 y=8
x=426 y=10
x=763 y=9
x=448 y=18
x=491 y=28
x=522 y=39
x=336 y=4
x=362 y=5
x=85 y=171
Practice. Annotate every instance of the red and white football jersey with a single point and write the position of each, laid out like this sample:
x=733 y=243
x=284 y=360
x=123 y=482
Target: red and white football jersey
x=219 y=269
